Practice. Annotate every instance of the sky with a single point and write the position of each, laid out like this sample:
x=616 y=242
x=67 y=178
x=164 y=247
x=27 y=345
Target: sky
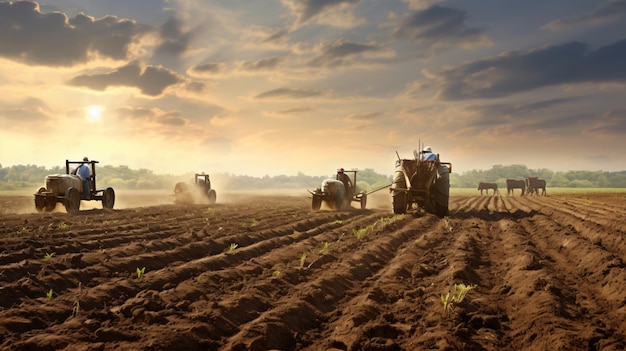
x=277 y=87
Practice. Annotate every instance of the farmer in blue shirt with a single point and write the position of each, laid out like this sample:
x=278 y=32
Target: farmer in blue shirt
x=84 y=172
x=427 y=154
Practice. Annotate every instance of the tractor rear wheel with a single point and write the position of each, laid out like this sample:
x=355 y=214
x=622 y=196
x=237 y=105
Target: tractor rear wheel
x=72 y=200
x=316 y=202
x=40 y=200
x=212 y=195
x=442 y=191
x=108 y=198
x=399 y=197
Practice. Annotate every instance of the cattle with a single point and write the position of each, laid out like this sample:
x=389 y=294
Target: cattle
x=512 y=184
x=534 y=184
x=486 y=186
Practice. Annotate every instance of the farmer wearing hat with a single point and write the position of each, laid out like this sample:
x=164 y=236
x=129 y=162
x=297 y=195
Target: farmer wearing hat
x=427 y=154
x=84 y=172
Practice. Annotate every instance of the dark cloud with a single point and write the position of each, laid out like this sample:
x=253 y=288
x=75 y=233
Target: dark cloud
x=611 y=123
x=307 y=9
x=53 y=39
x=209 y=67
x=517 y=71
x=438 y=25
x=277 y=35
x=341 y=52
x=537 y=116
x=172 y=119
x=30 y=110
x=289 y=93
x=175 y=39
x=135 y=112
x=610 y=11
x=261 y=65
x=150 y=81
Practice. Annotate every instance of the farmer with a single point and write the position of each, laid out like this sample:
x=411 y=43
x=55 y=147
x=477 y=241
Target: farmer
x=84 y=172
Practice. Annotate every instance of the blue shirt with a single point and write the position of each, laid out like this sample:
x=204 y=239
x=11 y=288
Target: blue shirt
x=429 y=156
x=83 y=171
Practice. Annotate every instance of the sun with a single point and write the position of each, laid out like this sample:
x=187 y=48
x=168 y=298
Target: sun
x=94 y=112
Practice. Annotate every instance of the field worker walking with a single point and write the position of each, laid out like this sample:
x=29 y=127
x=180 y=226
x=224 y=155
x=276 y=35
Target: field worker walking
x=84 y=172
x=427 y=154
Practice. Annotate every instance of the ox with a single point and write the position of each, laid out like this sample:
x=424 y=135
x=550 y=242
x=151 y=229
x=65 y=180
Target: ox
x=486 y=186
x=534 y=184
x=512 y=184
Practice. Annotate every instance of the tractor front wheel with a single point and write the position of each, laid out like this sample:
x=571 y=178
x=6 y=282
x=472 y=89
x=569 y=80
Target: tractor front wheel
x=72 y=200
x=399 y=197
x=363 y=201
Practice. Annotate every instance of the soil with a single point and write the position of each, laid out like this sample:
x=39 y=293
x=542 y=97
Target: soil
x=267 y=273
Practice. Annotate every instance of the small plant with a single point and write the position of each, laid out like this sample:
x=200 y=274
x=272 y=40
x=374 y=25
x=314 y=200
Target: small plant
x=48 y=256
x=360 y=232
x=49 y=294
x=461 y=290
x=140 y=272
x=324 y=248
x=24 y=230
x=254 y=222
x=295 y=232
x=276 y=273
x=338 y=221
x=458 y=295
x=445 y=301
x=75 y=308
x=232 y=247
x=302 y=260
x=62 y=225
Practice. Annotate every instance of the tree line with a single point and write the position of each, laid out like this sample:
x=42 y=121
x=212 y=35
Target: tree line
x=122 y=177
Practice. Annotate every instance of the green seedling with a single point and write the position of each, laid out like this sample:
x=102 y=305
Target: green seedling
x=140 y=272
x=232 y=247
x=48 y=256
x=302 y=260
x=49 y=294
x=295 y=232
x=62 y=225
x=360 y=232
x=461 y=290
x=276 y=273
x=75 y=308
x=254 y=222
x=445 y=301
x=338 y=221
x=324 y=248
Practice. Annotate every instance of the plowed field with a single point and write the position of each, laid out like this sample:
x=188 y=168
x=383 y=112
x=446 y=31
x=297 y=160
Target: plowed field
x=265 y=272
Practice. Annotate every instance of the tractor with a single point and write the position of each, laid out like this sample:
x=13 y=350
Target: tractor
x=421 y=185
x=68 y=189
x=340 y=192
x=201 y=191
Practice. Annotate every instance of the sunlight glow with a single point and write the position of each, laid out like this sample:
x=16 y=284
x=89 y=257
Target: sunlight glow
x=94 y=112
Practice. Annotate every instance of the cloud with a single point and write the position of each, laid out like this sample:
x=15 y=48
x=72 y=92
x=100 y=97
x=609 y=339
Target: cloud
x=306 y=10
x=175 y=39
x=612 y=123
x=31 y=110
x=150 y=80
x=517 y=71
x=207 y=69
x=610 y=11
x=290 y=93
x=264 y=64
x=53 y=39
x=439 y=26
x=335 y=53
